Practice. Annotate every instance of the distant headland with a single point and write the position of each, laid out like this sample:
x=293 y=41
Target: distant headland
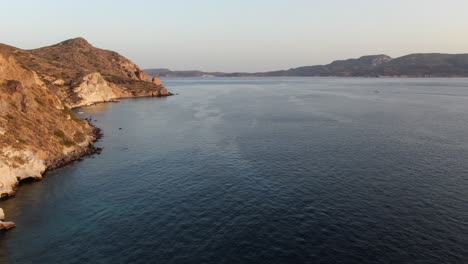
x=413 y=65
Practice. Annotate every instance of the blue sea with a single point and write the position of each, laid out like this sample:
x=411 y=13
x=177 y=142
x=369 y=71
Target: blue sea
x=260 y=170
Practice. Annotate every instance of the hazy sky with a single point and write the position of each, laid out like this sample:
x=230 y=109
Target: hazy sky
x=241 y=35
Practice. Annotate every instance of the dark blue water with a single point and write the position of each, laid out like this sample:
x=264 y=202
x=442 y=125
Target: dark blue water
x=261 y=171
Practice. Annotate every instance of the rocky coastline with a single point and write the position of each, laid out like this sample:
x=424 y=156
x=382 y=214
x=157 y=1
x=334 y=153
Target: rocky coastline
x=38 y=130
x=53 y=163
x=76 y=155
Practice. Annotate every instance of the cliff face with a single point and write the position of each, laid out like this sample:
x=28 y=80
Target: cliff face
x=37 y=90
x=93 y=89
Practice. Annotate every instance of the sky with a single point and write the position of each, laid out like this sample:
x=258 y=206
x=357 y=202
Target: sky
x=240 y=35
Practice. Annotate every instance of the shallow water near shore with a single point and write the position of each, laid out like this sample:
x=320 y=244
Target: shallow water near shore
x=261 y=170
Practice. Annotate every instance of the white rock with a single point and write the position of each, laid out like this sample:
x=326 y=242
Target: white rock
x=93 y=89
x=10 y=173
x=7 y=225
x=59 y=82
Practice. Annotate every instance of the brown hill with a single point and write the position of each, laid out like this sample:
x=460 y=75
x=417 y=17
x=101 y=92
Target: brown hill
x=81 y=74
x=75 y=57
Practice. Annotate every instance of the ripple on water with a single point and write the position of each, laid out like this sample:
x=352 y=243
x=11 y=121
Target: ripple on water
x=278 y=170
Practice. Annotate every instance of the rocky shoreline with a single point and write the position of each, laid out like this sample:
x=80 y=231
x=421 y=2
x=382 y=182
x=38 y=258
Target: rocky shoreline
x=58 y=162
x=78 y=154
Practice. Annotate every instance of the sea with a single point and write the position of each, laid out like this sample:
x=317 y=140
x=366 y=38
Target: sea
x=260 y=170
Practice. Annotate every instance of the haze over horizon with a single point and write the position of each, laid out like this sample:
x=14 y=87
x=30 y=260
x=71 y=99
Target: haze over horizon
x=241 y=35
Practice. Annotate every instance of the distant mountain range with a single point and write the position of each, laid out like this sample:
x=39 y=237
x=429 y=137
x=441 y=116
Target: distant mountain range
x=413 y=65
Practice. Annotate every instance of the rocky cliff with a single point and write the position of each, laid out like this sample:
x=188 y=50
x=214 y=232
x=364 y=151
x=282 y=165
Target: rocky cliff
x=39 y=87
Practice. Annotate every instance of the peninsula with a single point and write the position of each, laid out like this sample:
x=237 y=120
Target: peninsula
x=38 y=89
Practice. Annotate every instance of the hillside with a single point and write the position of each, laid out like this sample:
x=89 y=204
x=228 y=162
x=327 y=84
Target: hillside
x=363 y=66
x=81 y=74
x=36 y=128
x=426 y=65
x=413 y=65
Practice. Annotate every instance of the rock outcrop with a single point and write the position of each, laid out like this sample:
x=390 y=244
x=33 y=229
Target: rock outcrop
x=17 y=165
x=93 y=89
x=5 y=225
x=156 y=81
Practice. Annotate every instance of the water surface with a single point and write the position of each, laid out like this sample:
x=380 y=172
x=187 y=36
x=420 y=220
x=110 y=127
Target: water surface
x=280 y=170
